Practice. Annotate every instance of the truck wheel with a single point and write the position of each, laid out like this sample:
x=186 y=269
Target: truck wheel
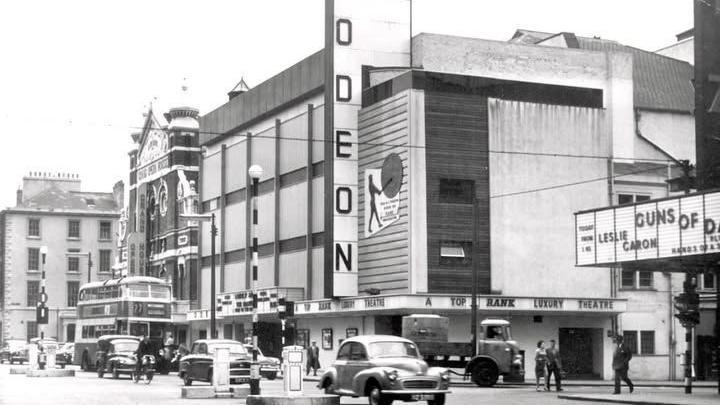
x=439 y=400
x=327 y=385
x=485 y=374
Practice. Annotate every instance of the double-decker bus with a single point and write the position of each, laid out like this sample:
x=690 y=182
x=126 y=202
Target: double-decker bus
x=125 y=306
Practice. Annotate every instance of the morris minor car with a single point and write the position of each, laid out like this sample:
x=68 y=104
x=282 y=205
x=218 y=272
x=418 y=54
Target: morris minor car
x=198 y=365
x=384 y=368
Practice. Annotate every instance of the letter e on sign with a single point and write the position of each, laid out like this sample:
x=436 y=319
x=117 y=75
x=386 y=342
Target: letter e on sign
x=343 y=147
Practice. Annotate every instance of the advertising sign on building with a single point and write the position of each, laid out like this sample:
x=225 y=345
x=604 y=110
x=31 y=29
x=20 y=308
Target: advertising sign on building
x=382 y=195
x=666 y=228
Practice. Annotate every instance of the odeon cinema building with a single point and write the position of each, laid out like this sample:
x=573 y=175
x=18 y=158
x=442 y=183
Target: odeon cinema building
x=395 y=166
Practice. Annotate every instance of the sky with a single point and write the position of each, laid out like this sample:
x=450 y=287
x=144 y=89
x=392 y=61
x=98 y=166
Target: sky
x=76 y=76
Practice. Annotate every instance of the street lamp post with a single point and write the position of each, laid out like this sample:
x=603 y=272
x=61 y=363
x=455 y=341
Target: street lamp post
x=213 y=234
x=255 y=172
x=43 y=295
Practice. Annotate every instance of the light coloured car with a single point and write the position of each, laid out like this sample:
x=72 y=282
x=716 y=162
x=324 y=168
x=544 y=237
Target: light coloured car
x=384 y=368
x=14 y=350
x=269 y=366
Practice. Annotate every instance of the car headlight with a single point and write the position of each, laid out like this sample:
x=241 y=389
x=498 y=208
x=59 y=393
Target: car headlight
x=517 y=360
x=391 y=375
x=445 y=375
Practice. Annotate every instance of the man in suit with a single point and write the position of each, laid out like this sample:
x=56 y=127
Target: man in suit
x=313 y=359
x=621 y=364
x=554 y=366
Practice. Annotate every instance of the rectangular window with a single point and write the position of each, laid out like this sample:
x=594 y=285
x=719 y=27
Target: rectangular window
x=33 y=293
x=647 y=342
x=104 y=265
x=628 y=279
x=32 y=330
x=33 y=259
x=456 y=191
x=73 y=228
x=105 y=230
x=34 y=227
x=193 y=283
x=645 y=279
x=455 y=253
x=72 y=293
x=632 y=198
x=630 y=340
x=709 y=281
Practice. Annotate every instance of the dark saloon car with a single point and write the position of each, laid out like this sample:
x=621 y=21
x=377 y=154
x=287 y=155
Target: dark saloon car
x=384 y=368
x=14 y=351
x=198 y=365
x=116 y=355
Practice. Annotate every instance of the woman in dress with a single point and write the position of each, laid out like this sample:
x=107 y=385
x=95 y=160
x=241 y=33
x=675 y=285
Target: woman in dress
x=540 y=365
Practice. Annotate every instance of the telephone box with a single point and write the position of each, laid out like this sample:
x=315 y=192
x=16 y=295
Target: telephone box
x=293 y=360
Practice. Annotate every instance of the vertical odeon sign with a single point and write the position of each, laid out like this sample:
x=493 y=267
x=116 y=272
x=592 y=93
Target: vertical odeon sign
x=351 y=31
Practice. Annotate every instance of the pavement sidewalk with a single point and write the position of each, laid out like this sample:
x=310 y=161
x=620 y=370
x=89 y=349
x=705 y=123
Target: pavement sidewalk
x=701 y=396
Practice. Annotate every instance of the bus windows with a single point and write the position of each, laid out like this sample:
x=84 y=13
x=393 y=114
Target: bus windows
x=160 y=291
x=138 y=291
x=138 y=329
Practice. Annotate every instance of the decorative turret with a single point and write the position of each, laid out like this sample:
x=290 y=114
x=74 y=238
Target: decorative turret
x=239 y=89
x=182 y=115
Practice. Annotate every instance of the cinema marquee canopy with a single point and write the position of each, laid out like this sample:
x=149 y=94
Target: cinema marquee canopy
x=673 y=230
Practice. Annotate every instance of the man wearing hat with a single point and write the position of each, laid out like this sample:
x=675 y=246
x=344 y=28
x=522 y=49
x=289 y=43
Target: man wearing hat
x=313 y=358
x=621 y=364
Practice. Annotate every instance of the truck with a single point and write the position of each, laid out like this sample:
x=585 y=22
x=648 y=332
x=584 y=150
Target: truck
x=497 y=354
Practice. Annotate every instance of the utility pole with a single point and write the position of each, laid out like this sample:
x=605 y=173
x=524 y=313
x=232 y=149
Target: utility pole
x=255 y=172
x=473 y=290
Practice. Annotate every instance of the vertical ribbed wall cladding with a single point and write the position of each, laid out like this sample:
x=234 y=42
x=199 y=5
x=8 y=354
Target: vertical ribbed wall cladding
x=383 y=261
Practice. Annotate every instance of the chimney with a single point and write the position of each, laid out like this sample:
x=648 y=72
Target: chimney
x=19 y=198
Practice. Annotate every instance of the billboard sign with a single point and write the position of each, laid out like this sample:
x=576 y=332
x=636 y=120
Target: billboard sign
x=666 y=228
x=382 y=195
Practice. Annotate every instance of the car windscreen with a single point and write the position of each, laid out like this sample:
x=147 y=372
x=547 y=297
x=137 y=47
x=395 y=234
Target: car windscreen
x=393 y=349
x=235 y=349
x=125 y=345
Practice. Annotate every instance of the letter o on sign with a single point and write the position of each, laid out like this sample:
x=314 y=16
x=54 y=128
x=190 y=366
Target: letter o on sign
x=343 y=200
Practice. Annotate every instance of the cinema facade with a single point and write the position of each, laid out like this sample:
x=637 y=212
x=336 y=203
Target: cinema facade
x=393 y=169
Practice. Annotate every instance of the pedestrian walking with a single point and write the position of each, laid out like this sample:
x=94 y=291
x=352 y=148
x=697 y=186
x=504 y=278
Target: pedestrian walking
x=313 y=359
x=540 y=365
x=621 y=364
x=553 y=367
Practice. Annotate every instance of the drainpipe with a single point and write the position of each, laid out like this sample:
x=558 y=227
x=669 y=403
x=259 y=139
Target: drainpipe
x=671 y=317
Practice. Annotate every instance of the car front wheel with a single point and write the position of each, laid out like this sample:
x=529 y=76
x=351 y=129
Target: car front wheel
x=186 y=379
x=376 y=397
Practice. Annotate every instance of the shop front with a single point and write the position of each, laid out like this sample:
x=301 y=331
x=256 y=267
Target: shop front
x=580 y=326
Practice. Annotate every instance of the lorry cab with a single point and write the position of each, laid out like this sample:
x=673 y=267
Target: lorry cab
x=498 y=354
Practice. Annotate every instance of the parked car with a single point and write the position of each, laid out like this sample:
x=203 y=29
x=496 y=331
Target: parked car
x=116 y=355
x=384 y=368
x=198 y=365
x=269 y=366
x=64 y=353
x=14 y=350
